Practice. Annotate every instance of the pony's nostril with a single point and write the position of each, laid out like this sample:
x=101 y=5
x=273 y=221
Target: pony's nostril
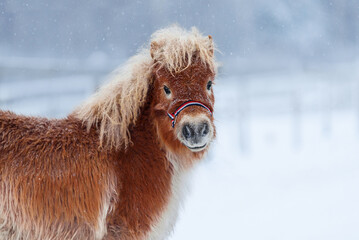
x=204 y=129
x=187 y=131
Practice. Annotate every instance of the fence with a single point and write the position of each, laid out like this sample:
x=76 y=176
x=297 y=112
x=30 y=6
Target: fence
x=47 y=87
x=52 y=88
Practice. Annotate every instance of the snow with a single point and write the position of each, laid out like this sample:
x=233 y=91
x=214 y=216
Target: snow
x=289 y=183
x=277 y=191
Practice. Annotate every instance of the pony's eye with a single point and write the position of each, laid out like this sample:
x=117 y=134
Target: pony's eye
x=209 y=85
x=167 y=90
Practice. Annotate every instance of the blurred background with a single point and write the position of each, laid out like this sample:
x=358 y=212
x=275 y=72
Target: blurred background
x=285 y=162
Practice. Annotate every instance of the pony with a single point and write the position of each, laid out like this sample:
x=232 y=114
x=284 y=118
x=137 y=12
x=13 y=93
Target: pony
x=118 y=165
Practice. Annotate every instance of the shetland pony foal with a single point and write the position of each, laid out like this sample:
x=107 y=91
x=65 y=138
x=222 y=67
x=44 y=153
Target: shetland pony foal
x=115 y=167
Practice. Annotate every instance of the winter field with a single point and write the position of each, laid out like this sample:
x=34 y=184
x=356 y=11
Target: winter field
x=285 y=161
x=295 y=173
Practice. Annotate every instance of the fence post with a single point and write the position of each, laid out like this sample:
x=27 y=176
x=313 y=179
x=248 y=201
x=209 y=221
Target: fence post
x=296 y=120
x=243 y=119
x=356 y=103
x=326 y=108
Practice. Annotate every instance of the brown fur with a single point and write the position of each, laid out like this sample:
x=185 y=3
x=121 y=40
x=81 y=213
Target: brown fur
x=59 y=181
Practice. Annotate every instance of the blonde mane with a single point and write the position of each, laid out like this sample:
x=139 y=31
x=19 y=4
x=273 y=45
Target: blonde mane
x=117 y=104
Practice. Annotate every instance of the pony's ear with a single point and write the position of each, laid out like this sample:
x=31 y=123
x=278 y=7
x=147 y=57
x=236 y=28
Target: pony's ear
x=154 y=48
x=211 y=45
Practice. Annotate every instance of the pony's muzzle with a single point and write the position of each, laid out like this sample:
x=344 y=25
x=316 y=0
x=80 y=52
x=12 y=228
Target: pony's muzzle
x=195 y=135
x=194 y=132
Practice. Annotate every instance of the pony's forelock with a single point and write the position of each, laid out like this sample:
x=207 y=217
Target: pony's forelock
x=175 y=47
x=117 y=104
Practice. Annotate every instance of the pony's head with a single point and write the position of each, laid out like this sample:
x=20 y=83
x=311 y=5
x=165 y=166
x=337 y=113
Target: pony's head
x=183 y=73
x=178 y=72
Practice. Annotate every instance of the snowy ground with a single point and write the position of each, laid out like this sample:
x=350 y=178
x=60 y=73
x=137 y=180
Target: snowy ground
x=297 y=178
x=277 y=191
x=284 y=165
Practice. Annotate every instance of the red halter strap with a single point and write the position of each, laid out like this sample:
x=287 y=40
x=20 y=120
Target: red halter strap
x=173 y=116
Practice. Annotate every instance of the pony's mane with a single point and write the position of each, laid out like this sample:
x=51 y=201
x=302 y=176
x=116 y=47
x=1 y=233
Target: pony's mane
x=116 y=105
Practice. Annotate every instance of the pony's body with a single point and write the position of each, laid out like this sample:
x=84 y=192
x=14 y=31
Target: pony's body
x=69 y=176
x=83 y=178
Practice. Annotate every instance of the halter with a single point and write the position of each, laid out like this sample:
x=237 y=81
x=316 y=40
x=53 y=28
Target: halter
x=173 y=116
